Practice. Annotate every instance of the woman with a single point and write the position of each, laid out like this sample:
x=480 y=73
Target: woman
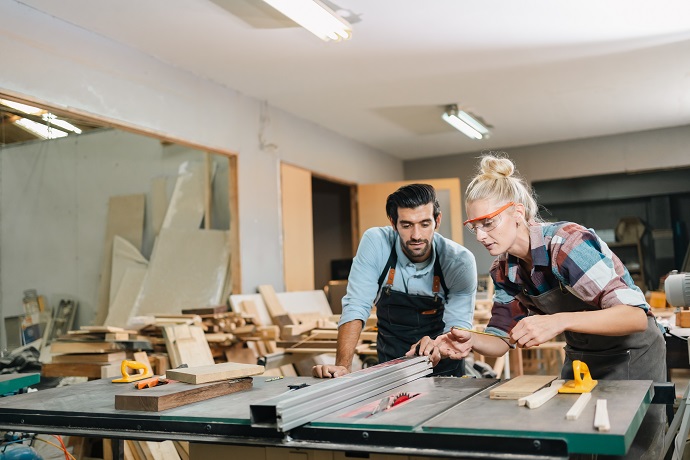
x=551 y=279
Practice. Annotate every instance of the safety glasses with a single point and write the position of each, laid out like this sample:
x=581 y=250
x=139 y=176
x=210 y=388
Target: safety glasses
x=488 y=222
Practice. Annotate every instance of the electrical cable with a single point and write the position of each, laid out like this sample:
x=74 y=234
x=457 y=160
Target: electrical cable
x=71 y=457
x=59 y=438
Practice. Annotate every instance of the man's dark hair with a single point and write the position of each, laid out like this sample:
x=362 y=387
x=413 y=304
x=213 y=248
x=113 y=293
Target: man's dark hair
x=411 y=196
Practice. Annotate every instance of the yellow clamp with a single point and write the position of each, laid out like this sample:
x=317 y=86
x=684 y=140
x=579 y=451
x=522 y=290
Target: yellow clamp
x=126 y=377
x=580 y=384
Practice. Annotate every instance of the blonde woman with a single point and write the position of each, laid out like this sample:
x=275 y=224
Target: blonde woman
x=553 y=278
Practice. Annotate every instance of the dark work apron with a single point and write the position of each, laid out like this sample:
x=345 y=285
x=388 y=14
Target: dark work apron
x=403 y=319
x=638 y=356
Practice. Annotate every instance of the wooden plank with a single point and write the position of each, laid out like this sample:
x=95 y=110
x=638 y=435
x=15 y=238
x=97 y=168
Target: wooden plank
x=89 y=370
x=540 y=397
x=234 y=284
x=214 y=373
x=249 y=308
x=601 y=416
x=321 y=344
x=126 y=219
x=279 y=316
x=99 y=329
x=62 y=346
x=104 y=358
x=176 y=394
x=577 y=408
x=518 y=387
x=182 y=448
x=187 y=345
x=212 y=310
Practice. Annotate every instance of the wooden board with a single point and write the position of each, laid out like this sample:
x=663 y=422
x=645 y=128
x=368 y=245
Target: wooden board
x=214 y=372
x=521 y=386
x=176 y=394
x=187 y=345
x=186 y=207
x=105 y=358
x=61 y=346
x=89 y=370
x=126 y=296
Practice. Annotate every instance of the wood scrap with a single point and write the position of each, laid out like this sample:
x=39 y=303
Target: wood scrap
x=176 y=394
x=104 y=358
x=187 y=345
x=540 y=397
x=278 y=315
x=206 y=310
x=89 y=370
x=601 y=416
x=577 y=408
x=518 y=387
x=182 y=448
x=214 y=373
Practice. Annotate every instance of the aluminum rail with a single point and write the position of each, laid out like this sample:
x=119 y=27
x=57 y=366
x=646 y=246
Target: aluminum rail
x=298 y=407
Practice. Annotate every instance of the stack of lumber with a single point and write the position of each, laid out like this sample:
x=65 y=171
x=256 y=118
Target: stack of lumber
x=149 y=450
x=93 y=351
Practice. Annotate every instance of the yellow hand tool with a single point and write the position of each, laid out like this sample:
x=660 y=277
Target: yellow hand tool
x=580 y=384
x=127 y=378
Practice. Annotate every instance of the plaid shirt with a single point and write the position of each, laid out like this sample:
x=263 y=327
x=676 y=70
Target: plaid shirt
x=565 y=252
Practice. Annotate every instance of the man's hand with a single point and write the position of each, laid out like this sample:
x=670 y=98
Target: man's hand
x=324 y=371
x=425 y=347
x=456 y=344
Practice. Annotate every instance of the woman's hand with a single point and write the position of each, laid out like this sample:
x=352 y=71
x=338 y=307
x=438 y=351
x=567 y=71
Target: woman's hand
x=536 y=329
x=456 y=344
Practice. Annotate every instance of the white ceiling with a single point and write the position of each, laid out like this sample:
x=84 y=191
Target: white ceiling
x=537 y=70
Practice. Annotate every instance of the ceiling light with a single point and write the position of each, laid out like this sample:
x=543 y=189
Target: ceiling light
x=22 y=107
x=316 y=17
x=42 y=131
x=465 y=123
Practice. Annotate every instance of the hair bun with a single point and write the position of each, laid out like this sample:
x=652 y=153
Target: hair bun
x=493 y=167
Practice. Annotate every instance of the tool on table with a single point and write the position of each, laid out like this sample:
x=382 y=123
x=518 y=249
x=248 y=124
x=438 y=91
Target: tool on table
x=505 y=339
x=134 y=365
x=384 y=404
x=583 y=382
x=150 y=383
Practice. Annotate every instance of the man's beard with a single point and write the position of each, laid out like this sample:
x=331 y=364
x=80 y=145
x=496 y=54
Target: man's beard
x=413 y=254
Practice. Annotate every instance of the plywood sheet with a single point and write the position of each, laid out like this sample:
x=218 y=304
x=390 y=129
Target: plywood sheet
x=186 y=207
x=187 y=270
x=176 y=394
x=125 y=256
x=214 y=372
x=125 y=219
x=521 y=386
x=126 y=297
x=159 y=203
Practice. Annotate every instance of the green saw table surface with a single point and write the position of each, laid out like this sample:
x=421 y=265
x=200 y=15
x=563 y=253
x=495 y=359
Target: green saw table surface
x=439 y=409
x=9 y=383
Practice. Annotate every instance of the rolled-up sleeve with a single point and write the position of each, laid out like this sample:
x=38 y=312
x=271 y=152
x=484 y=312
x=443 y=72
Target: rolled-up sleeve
x=362 y=285
x=460 y=273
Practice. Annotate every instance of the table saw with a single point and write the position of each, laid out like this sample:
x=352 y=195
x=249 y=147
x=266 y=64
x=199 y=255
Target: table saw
x=445 y=416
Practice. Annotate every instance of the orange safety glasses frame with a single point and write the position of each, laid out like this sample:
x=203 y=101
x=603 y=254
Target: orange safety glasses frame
x=490 y=215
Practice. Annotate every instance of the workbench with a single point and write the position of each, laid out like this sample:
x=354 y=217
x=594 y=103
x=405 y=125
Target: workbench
x=450 y=417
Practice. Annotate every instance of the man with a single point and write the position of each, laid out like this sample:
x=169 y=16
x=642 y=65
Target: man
x=421 y=284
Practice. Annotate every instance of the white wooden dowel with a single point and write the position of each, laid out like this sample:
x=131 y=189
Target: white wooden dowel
x=579 y=406
x=601 y=416
x=540 y=397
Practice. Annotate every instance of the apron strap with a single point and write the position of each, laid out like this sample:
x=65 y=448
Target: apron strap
x=439 y=280
x=389 y=268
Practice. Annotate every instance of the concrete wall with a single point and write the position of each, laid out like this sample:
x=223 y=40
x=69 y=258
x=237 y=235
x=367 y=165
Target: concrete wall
x=632 y=152
x=52 y=62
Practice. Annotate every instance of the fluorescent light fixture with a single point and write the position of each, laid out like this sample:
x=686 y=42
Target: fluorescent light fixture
x=22 y=107
x=54 y=120
x=316 y=17
x=465 y=123
x=42 y=131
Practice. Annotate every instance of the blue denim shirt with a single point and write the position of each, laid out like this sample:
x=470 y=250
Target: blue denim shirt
x=457 y=265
